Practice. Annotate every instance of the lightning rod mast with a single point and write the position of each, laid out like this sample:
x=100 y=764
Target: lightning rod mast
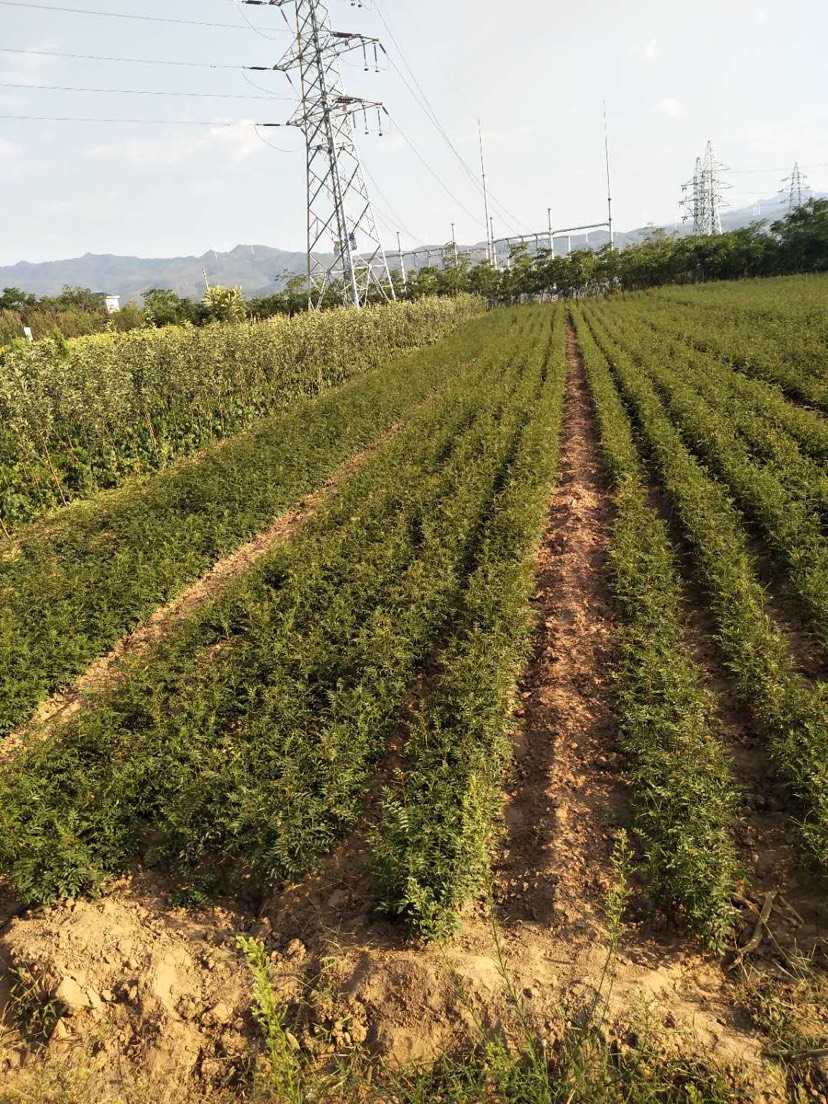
x=609 y=179
x=489 y=232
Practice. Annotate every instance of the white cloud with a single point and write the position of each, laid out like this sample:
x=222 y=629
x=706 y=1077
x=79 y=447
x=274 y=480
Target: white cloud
x=236 y=143
x=207 y=187
x=761 y=15
x=668 y=106
x=14 y=160
x=391 y=143
x=653 y=49
x=9 y=152
x=499 y=137
x=85 y=205
x=26 y=68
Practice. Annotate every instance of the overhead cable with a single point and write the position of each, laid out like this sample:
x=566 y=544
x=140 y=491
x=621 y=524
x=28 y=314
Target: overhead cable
x=436 y=175
x=136 y=61
x=142 y=92
x=119 y=15
x=154 y=122
x=422 y=100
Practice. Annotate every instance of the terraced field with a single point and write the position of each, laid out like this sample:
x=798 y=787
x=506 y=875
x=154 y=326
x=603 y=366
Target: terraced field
x=468 y=714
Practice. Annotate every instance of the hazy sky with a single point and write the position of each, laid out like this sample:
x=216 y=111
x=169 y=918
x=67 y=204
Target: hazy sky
x=750 y=76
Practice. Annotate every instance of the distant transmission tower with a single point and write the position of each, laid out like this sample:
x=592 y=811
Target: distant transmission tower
x=340 y=217
x=691 y=199
x=703 y=198
x=796 y=189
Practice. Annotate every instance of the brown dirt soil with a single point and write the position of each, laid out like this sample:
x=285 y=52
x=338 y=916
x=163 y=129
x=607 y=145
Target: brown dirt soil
x=565 y=795
x=164 y=990
x=161 y=989
x=108 y=669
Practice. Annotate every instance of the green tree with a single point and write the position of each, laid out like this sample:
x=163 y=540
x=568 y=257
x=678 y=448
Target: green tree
x=14 y=299
x=78 y=298
x=129 y=317
x=164 y=307
x=225 y=304
x=803 y=238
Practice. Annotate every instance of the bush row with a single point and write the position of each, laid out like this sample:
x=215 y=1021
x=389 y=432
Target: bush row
x=792 y=715
x=431 y=847
x=239 y=751
x=80 y=416
x=78 y=581
x=684 y=798
x=777 y=497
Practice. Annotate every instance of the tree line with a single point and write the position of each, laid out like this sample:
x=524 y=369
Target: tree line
x=79 y=311
x=797 y=243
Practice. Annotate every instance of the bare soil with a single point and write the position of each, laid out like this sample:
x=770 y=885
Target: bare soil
x=565 y=796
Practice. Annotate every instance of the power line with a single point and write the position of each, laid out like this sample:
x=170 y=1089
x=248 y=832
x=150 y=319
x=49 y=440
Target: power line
x=424 y=103
x=261 y=33
x=143 y=92
x=777 y=168
x=268 y=93
x=160 y=122
x=437 y=177
x=120 y=15
x=504 y=212
x=138 y=61
x=400 y=225
x=442 y=66
x=270 y=145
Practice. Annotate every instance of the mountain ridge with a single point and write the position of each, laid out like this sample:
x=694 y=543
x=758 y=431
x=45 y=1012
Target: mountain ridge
x=258 y=269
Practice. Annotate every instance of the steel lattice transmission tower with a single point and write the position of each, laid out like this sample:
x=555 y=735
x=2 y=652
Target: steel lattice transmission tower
x=703 y=195
x=340 y=216
x=796 y=188
x=691 y=199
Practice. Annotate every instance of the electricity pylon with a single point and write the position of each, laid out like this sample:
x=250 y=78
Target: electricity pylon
x=340 y=216
x=691 y=199
x=712 y=187
x=796 y=189
x=705 y=200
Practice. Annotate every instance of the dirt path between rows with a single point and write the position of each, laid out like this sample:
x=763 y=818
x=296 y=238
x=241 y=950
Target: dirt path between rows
x=108 y=669
x=565 y=795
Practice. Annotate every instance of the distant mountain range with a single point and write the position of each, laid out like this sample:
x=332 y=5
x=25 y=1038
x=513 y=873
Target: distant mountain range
x=261 y=269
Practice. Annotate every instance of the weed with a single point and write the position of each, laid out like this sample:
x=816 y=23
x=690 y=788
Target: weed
x=33 y=1010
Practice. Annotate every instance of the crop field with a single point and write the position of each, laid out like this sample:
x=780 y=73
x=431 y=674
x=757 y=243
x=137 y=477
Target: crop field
x=426 y=706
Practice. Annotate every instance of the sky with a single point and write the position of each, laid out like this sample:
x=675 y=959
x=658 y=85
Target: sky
x=744 y=74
